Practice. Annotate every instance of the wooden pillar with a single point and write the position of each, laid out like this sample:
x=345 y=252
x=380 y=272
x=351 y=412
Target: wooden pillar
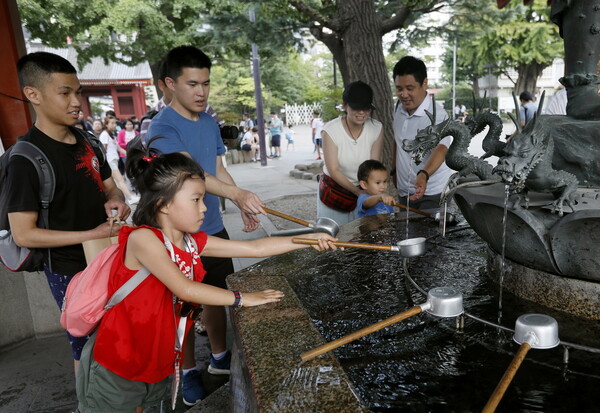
x=15 y=117
x=139 y=101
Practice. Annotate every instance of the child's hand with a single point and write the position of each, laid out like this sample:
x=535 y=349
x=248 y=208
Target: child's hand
x=325 y=241
x=388 y=199
x=261 y=297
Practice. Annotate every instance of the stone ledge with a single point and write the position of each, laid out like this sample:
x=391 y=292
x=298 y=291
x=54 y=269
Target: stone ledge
x=267 y=374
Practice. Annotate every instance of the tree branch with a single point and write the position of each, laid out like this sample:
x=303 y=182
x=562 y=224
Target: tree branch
x=314 y=15
x=397 y=21
x=403 y=12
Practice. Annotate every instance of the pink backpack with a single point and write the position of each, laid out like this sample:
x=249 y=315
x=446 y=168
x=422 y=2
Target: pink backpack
x=86 y=299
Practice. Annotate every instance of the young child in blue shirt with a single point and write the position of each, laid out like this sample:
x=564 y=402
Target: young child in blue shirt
x=373 y=179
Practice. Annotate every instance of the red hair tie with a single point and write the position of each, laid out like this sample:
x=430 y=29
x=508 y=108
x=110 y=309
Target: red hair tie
x=150 y=158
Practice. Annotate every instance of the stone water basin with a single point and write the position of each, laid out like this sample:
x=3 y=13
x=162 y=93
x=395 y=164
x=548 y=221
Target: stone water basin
x=421 y=364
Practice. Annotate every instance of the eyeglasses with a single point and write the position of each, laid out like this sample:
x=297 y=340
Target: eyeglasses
x=190 y=310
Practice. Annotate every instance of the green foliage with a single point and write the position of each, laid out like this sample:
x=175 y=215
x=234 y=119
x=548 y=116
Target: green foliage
x=330 y=102
x=509 y=38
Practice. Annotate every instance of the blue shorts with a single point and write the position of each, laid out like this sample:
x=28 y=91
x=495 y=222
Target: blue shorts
x=276 y=140
x=319 y=142
x=58 y=286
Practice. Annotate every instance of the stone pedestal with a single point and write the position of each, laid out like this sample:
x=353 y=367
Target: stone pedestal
x=572 y=295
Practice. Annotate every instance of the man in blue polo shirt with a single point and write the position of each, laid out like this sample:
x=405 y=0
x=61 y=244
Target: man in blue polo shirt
x=184 y=126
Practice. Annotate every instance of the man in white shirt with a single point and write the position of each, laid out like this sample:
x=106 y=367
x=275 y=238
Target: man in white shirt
x=422 y=183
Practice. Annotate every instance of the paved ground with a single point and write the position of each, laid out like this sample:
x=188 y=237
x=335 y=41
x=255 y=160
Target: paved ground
x=37 y=376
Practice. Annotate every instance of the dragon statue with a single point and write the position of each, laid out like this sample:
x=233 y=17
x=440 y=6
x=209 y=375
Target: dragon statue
x=527 y=164
x=458 y=157
x=477 y=122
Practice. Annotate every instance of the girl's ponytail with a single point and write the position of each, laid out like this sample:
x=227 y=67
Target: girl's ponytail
x=157 y=177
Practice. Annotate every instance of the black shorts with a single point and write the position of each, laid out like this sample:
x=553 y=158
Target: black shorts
x=276 y=140
x=217 y=269
x=246 y=147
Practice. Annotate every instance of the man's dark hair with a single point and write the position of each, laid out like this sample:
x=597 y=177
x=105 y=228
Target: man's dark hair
x=365 y=168
x=185 y=56
x=525 y=96
x=34 y=68
x=410 y=65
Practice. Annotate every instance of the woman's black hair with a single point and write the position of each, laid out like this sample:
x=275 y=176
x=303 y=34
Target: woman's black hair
x=158 y=178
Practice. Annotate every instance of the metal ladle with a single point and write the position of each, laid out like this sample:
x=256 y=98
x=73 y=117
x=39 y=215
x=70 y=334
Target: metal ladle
x=411 y=247
x=322 y=224
x=441 y=302
x=531 y=331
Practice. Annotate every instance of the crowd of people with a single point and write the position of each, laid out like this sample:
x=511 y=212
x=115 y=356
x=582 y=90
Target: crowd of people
x=178 y=232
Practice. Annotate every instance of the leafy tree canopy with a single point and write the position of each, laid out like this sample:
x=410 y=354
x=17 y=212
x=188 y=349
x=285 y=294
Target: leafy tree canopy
x=517 y=37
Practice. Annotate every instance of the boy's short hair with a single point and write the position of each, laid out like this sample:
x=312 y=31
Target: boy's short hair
x=410 y=65
x=365 y=168
x=185 y=56
x=162 y=70
x=34 y=68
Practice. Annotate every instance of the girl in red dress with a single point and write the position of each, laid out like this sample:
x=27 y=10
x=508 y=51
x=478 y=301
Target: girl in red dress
x=127 y=362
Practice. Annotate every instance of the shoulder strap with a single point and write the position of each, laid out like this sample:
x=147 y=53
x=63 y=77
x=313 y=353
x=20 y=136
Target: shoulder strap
x=46 y=177
x=130 y=285
x=45 y=174
x=97 y=146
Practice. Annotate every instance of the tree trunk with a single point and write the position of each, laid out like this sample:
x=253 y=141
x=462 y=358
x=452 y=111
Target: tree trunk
x=476 y=86
x=363 y=52
x=528 y=76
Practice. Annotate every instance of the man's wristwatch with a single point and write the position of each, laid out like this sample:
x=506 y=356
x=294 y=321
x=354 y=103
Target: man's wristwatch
x=423 y=171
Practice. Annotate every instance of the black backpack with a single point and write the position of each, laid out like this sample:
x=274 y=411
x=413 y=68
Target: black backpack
x=17 y=258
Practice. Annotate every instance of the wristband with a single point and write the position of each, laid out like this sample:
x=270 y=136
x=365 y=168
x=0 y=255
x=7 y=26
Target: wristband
x=239 y=300
x=423 y=171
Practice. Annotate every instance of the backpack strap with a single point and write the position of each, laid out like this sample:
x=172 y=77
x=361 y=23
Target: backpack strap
x=46 y=178
x=97 y=146
x=130 y=285
x=45 y=174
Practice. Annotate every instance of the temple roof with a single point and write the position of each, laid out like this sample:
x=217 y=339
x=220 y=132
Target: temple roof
x=97 y=73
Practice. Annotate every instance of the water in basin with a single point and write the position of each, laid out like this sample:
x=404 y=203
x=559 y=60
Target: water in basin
x=425 y=363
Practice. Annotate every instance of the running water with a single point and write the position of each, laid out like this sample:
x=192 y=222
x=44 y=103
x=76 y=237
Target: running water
x=410 y=175
x=503 y=260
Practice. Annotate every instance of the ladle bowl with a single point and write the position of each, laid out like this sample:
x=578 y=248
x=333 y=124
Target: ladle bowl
x=322 y=224
x=539 y=330
x=412 y=247
x=328 y=225
x=444 y=302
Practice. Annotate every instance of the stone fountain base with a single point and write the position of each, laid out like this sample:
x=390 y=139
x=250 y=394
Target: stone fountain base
x=572 y=295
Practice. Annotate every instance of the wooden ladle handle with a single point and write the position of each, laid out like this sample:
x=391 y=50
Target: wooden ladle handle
x=495 y=398
x=311 y=354
x=416 y=211
x=310 y=241
x=288 y=217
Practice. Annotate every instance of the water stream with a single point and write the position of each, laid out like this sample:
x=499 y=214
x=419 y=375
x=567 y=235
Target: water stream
x=503 y=252
x=426 y=363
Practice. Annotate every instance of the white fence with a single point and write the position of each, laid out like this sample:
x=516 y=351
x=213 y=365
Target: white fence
x=300 y=114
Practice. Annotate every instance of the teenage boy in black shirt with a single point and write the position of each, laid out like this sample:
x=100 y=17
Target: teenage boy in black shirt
x=85 y=194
